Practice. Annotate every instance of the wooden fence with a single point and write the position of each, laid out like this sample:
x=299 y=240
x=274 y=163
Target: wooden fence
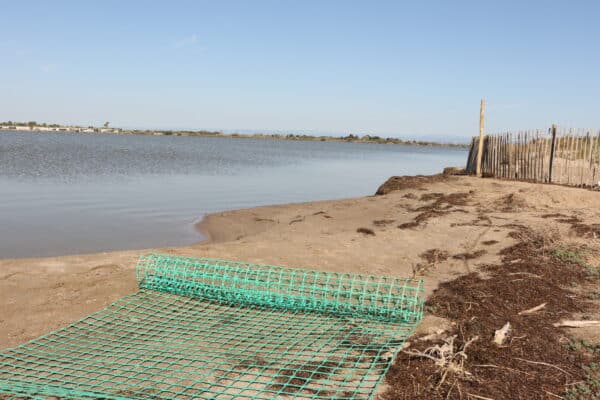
x=557 y=155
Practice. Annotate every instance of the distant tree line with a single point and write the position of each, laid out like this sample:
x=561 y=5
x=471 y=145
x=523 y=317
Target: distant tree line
x=29 y=123
x=367 y=138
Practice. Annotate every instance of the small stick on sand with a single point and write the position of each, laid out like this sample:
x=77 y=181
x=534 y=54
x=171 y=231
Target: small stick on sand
x=479 y=397
x=553 y=395
x=576 y=324
x=532 y=310
x=542 y=363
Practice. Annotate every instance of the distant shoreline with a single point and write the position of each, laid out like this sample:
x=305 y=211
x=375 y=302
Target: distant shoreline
x=54 y=128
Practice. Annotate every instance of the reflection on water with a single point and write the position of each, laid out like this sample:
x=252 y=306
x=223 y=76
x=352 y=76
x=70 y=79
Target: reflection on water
x=72 y=193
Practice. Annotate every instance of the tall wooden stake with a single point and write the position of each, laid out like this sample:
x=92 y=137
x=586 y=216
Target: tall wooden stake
x=552 y=153
x=481 y=131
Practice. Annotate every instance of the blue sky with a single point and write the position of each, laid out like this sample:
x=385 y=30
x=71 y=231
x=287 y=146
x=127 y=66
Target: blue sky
x=408 y=69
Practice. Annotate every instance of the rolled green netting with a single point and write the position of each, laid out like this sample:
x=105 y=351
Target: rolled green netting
x=213 y=329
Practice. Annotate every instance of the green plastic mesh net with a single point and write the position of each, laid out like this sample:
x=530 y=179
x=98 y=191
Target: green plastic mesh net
x=213 y=329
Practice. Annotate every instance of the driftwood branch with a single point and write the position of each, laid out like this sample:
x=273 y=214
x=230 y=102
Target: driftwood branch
x=576 y=324
x=532 y=310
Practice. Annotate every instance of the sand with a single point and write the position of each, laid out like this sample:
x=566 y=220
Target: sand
x=450 y=226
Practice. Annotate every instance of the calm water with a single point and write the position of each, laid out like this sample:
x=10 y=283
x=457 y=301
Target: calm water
x=72 y=193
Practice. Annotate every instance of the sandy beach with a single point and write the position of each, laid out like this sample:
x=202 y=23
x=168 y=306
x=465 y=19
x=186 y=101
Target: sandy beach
x=440 y=228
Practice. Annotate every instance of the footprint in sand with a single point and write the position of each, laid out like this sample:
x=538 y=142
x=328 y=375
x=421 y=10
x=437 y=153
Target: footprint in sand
x=104 y=269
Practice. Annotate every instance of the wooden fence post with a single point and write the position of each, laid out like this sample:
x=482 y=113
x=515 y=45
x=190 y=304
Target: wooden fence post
x=552 y=153
x=481 y=130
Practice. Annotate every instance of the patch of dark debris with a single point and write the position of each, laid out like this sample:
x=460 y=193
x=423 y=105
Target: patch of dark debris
x=481 y=220
x=469 y=255
x=536 y=362
x=298 y=377
x=489 y=242
x=431 y=258
x=431 y=196
x=383 y=222
x=445 y=201
x=410 y=182
x=366 y=231
x=257 y=219
x=435 y=255
x=443 y=204
x=554 y=215
x=323 y=214
x=578 y=226
x=455 y=171
x=297 y=218
x=512 y=202
x=408 y=225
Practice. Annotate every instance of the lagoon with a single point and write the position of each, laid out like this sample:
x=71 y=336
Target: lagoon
x=70 y=193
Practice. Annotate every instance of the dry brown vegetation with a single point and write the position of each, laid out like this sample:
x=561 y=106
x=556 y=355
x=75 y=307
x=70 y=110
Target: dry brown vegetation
x=443 y=204
x=538 y=361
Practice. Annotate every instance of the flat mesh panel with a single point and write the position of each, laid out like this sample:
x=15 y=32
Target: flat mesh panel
x=213 y=329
